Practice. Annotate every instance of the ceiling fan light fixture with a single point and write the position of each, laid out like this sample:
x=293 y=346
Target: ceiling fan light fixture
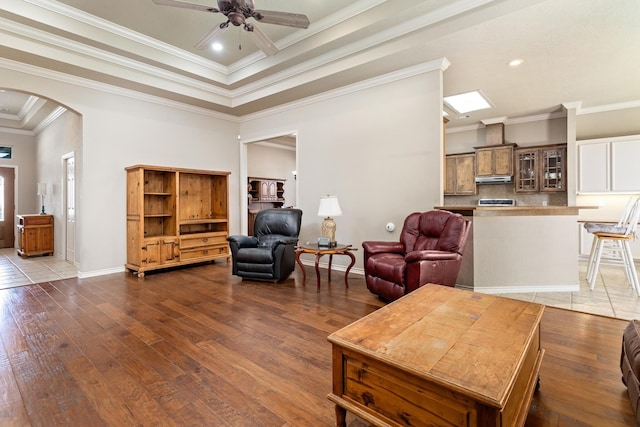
x=236 y=18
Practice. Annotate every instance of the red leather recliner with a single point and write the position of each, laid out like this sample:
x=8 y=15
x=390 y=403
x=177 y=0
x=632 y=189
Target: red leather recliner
x=429 y=251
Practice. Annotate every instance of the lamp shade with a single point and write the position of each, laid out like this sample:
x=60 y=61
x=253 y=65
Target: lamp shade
x=42 y=189
x=329 y=206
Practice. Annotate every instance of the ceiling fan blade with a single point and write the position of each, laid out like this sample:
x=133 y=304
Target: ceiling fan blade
x=215 y=32
x=186 y=5
x=262 y=40
x=296 y=20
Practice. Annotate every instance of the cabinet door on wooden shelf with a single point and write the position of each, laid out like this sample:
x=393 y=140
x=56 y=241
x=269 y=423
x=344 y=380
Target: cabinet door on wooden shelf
x=460 y=171
x=160 y=251
x=553 y=168
x=494 y=160
x=527 y=175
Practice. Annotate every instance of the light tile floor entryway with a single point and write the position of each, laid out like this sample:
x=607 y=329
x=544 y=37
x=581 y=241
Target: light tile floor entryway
x=611 y=296
x=17 y=271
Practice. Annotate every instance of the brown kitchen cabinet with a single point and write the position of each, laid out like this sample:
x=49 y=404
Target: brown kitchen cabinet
x=175 y=217
x=35 y=235
x=496 y=160
x=460 y=174
x=540 y=168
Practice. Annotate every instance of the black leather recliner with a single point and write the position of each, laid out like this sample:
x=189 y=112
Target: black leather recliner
x=270 y=253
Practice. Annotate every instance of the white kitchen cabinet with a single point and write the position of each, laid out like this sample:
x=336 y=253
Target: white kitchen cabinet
x=609 y=165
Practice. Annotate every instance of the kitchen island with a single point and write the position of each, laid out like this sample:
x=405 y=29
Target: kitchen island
x=520 y=248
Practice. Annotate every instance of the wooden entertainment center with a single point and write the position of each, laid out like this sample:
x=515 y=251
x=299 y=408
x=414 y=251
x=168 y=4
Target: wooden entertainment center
x=439 y=356
x=175 y=217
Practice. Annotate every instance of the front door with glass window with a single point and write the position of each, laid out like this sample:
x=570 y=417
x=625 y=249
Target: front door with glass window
x=7 y=214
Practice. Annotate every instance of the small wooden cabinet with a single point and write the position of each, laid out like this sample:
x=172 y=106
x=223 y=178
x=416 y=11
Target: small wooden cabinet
x=541 y=169
x=264 y=193
x=175 y=217
x=35 y=235
x=460 y=174
x=494 y=160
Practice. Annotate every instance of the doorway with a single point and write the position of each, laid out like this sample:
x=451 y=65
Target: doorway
x=7 y=207
x=274 y=158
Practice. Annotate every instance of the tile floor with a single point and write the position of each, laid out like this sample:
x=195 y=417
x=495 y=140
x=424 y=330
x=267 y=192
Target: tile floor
x=17 y=271
x=611 y=296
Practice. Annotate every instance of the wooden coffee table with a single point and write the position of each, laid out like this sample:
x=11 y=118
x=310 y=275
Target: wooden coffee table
x=319 y=252
x=439 y=356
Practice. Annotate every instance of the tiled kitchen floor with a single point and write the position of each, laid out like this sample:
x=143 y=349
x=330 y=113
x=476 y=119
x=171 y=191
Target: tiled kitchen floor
x=611 y=296
x=17 y=271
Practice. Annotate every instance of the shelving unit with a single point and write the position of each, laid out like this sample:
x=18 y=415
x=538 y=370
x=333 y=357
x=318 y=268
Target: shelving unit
x=175 y=217
x=264 y=193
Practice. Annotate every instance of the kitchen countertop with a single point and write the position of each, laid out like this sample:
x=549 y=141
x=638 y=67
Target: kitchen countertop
x=472 y=210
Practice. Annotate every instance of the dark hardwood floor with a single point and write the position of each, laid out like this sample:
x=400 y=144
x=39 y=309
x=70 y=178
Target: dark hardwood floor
x=199 y=347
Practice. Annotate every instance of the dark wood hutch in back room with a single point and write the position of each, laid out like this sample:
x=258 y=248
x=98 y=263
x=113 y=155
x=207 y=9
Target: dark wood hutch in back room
x=264 y=193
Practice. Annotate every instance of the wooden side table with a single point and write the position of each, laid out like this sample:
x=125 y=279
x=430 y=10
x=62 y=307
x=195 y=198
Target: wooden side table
x=319 y=252
x=35 y=233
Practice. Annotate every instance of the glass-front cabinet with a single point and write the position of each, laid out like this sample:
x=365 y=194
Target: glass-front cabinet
x=541 y=169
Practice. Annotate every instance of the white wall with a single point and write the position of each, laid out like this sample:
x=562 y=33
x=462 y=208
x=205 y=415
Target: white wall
x=379 y=150
x=61 y=137
x=23 y=157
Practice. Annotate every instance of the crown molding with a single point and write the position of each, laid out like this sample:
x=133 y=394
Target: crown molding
x=16 y=131
x=49 y=119
x=353 y=9
x=609 y=107
x=62 y=9
x=61 y=49
x=104 y=87
x=435 y=65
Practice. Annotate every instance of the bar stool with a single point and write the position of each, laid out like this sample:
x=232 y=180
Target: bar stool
x=616 y=239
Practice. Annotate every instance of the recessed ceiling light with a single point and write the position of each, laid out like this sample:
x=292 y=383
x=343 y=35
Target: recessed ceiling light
x=217 y=47
x=516 y=62
x=466 y=102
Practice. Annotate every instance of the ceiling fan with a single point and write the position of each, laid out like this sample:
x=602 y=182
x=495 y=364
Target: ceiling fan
x=237 y=12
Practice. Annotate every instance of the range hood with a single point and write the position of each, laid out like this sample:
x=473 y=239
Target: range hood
x=493 y=179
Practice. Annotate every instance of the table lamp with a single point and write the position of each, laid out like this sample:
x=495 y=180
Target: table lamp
x=329 y=207
x=42 y=190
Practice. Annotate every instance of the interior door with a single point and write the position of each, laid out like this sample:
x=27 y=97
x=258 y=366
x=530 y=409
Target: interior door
x=70 y=212
x=7 y=207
